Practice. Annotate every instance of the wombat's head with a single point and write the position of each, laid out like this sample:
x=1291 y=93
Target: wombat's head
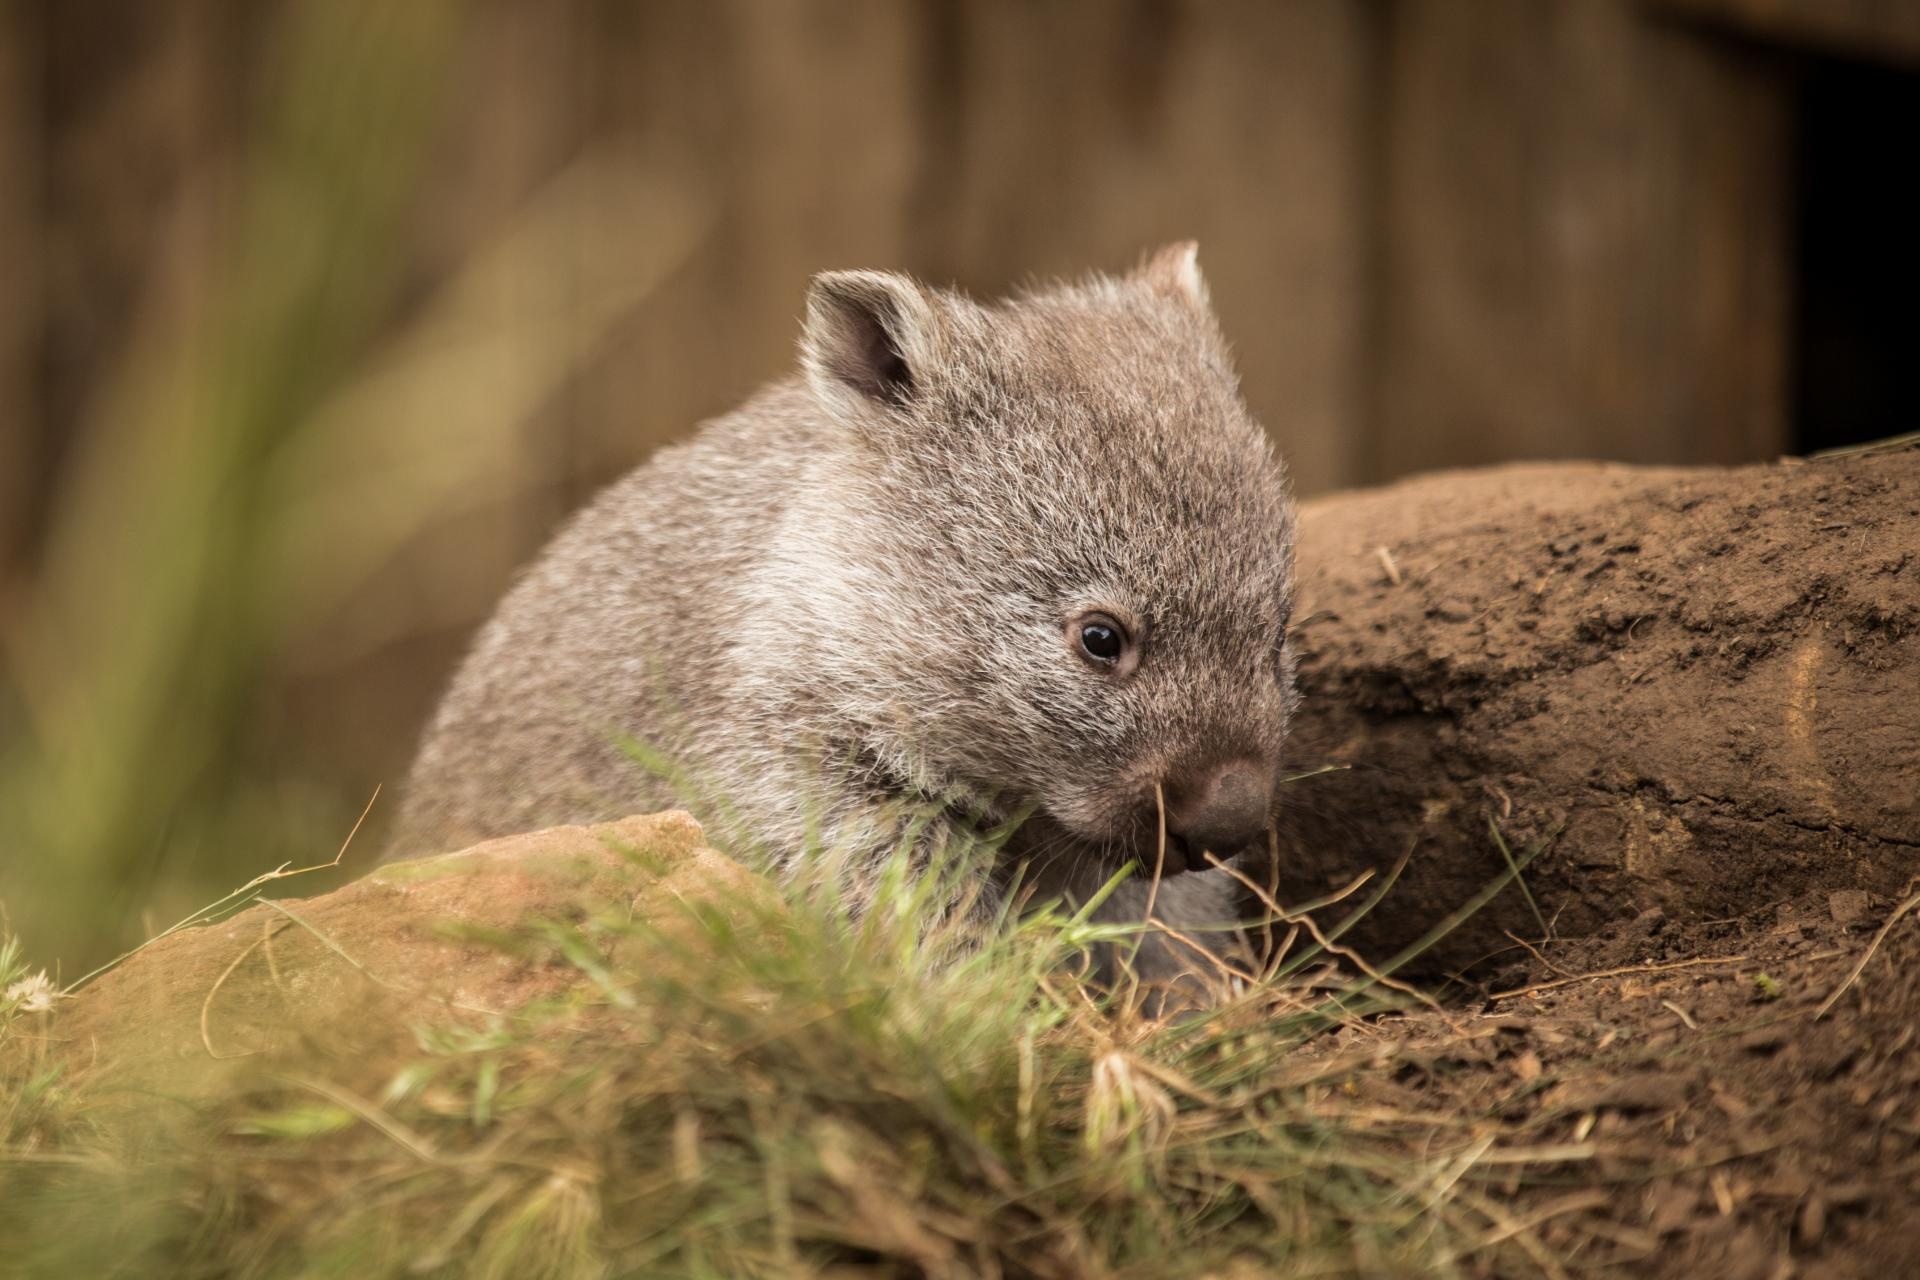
x=1056 y=557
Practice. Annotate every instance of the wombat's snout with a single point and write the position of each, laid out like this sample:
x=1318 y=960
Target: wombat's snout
x=1221 y=810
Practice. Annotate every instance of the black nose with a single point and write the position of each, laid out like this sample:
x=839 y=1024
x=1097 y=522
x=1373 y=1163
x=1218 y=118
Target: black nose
x=1222 y=810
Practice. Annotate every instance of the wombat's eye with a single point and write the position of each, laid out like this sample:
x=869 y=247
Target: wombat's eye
x=1101 y=640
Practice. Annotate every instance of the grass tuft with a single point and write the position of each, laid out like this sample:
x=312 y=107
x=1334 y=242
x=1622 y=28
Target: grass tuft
x=778 y=1090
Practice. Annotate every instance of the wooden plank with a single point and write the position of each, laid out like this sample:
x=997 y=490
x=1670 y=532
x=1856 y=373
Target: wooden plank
x=793 y=127
x=1585 y=239
x=22 y=230
x=1083 y=133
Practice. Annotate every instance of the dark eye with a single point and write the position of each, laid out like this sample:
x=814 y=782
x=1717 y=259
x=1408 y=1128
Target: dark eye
x=1103 y=641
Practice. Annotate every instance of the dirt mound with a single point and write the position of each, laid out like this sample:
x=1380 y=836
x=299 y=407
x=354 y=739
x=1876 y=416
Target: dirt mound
x=1698 y=691
x=414 y=939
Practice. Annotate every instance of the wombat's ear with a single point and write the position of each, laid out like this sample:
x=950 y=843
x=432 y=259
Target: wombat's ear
x=1175 y=272
x=870 y=332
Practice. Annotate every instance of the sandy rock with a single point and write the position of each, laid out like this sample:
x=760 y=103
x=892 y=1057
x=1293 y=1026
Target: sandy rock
x=354 y=970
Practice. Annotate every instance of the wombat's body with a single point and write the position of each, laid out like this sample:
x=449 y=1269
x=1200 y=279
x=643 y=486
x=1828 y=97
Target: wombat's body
x=1032 y=556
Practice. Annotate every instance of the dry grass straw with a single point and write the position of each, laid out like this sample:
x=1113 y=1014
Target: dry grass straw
x=774 y=1095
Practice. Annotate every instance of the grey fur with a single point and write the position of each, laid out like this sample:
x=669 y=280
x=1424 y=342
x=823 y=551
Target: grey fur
x=852 y=589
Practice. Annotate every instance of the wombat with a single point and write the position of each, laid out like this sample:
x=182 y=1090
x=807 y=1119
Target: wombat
x=1029 y=559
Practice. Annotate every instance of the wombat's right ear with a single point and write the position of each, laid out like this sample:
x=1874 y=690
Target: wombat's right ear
x=872 y=333
x=1174 y=272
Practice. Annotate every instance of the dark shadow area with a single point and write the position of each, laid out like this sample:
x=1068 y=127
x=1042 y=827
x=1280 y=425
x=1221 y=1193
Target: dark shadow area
x=1858 y=273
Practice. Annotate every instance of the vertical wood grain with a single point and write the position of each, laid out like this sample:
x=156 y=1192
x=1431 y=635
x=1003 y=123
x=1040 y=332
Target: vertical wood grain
x=22 y=50
x=1586 y=242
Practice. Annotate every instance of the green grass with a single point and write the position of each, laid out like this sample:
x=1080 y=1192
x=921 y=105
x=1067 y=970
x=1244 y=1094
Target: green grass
x=769 y=1090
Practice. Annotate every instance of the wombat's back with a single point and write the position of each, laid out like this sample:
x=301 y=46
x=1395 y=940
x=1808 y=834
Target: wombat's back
x=616 y=636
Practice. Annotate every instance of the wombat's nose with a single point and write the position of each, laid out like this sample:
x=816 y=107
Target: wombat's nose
x=1221 y=811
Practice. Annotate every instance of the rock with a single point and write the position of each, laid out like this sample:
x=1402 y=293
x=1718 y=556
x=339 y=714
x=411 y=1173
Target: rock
x=422 y=941
x=1849 y=906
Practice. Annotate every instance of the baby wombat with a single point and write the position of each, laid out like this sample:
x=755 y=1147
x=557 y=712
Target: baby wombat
x=1031 y=557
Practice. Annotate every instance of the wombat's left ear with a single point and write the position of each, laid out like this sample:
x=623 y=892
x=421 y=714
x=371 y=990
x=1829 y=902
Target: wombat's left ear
x=1175 y=272
x=873 y=334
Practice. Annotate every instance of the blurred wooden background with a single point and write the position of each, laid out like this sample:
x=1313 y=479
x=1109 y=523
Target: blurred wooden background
x=1439 y=234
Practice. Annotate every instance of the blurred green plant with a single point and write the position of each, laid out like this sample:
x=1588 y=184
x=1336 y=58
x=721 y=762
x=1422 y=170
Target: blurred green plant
x=262 y=455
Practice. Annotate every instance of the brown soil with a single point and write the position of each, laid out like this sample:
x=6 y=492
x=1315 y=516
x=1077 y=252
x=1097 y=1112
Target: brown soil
x=1698 y=695
x=1710 y=1123
x=1696 y=690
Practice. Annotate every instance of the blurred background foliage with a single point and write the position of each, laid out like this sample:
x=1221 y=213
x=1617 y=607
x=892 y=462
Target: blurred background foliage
x=316 y=315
